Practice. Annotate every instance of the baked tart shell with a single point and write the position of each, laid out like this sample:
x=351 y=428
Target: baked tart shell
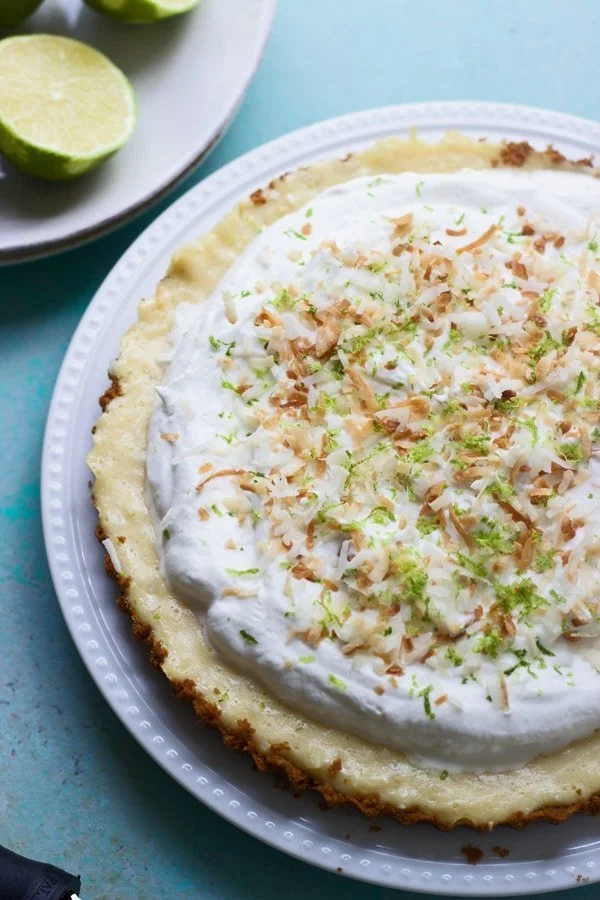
x=343 y=768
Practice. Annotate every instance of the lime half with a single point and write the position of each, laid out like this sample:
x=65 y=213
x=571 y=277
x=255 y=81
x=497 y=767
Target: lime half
x=14 y=11
x=64 y=107
x=141 y=12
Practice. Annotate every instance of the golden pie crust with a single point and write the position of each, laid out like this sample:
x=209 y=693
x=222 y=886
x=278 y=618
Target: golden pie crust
x=344 y=769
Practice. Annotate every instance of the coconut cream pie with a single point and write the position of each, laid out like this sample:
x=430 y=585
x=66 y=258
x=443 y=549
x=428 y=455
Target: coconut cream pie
x=348 y=477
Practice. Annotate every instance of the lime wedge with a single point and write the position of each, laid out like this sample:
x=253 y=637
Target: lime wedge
x=64 y=107
x=14 y=11
x=142 y=12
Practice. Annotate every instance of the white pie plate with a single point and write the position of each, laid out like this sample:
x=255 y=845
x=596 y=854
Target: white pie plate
x=190 y=74
x=418 y=858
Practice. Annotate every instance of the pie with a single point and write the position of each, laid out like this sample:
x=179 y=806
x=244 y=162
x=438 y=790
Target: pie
x=347 y=478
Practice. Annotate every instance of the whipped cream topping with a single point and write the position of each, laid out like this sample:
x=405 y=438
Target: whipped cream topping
x=373 y=463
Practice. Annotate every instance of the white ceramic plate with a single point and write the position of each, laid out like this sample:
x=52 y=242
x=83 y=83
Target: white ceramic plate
x=190 y=74
x=417 y=858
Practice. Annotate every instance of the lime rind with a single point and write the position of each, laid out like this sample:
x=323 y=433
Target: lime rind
x=142 y=12
x=49 y=163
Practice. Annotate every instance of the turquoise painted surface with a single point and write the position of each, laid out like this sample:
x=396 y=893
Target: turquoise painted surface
x=74 y=786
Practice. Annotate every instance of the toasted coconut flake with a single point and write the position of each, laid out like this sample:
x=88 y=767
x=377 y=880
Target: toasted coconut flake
x=478 y=242
x=352 y=647
x=220 y=473
x=516 y=514
x=238 y=592
x=519 y=270
x=301 y=571
x=474 y=473
x=267 y=317
x=507 y=626
x=327 y=337
x=593 y=279
x=460 y=528
x=403 y=225
x=568 y=527
x=365 y=391
x=525 y=547
x=394 y=670
x=435 y=491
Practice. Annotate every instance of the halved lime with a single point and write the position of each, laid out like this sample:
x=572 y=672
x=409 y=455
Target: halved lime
x=14 y=11
x=142 y=12
x=64 y=107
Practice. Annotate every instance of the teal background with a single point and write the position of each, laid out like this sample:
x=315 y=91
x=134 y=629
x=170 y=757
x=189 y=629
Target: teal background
x=75 y=788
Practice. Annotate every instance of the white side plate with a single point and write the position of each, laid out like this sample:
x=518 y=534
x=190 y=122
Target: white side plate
x=418 y=858
x=190 y=74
